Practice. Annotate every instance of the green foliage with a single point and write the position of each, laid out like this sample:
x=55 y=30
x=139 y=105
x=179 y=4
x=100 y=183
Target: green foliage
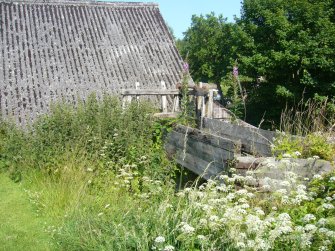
x=211 y=46
x=187 y=114
x=324 y=186
x=314 y=144
x=99 y=131
x=284 y=48
x=21 y=228
x=287 y=144
x=230 y=88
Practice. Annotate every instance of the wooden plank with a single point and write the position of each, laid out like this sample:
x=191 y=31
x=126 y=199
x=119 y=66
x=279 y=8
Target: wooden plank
x=127 y=92
x=253 y=140
x=202 y=153
x=210 y=105
x=166 y=115
x=206 y=137
x=197 y=165
x=197 y=148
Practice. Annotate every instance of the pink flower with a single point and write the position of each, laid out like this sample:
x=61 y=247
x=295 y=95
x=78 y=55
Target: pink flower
x=185 y=67
x=235 y=71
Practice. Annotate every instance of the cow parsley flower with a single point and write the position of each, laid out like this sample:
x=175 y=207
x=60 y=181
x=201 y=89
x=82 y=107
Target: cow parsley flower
x=202 y=222
x=284 y=217
x=297 y=153
x=284 y=230
x=201 y=237
x=285 y=183
x=322 y=222
x=281 y=191
x=287 y=155
x=242 y=192
x=310 y=228
x=330 y=234
x=259 y=211
x=317 y=176
x=213 y=218
x=240 y=245
x=160 y=239
x=328 y=198
x=245 y=206
x=327 y=206
x=306 y=240
x=241 y=211
x=186 y=228
x=254 y=223
x=168 y=248
x=309 y=218
x=266 y=187
x=285 y=200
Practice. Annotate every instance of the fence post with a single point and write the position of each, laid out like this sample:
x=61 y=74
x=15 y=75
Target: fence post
x=175 y=103
x=164 y=101
x=210 y=104
x=137 y=86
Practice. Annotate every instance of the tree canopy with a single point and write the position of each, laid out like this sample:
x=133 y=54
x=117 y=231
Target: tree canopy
x=285 y=51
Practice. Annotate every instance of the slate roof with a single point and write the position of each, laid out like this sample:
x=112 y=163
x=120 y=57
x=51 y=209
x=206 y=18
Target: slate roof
x=51 y=50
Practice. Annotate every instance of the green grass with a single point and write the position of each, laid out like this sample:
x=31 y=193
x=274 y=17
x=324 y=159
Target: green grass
x=20 y=227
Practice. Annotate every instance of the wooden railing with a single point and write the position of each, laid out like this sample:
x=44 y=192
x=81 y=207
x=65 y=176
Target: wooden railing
x=129 y=94
x=202 y=95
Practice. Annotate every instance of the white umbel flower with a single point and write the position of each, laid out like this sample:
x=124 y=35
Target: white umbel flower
x=168 y=248
x=160 y=239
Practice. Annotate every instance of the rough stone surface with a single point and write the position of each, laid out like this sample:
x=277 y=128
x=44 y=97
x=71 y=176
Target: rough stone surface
x=275 y=169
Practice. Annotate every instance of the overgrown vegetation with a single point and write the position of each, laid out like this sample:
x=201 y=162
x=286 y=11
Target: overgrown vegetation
x=101 y=177
x=313 y=127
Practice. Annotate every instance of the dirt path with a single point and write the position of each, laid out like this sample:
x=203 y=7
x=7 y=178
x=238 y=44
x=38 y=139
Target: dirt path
x=20 y=227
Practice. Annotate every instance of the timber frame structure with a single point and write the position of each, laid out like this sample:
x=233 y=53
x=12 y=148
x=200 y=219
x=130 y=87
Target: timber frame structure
x=65 y=50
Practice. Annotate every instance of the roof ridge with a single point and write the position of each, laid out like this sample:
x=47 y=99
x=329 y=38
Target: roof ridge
x=86 y=2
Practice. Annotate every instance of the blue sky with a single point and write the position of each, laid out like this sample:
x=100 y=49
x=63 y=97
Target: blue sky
x=178 y=13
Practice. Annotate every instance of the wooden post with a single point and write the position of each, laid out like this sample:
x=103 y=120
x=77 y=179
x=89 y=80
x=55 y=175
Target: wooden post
x=199 y=102
x=175 y=103
x=137 y=86
x=210 y=104
x=203 y=106
x=164 y=101
x=123 y=101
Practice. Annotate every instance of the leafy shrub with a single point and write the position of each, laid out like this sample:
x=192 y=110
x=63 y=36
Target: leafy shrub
x=314 y=144
x=96 y=130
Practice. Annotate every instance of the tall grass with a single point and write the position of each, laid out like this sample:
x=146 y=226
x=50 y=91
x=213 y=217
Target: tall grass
x=308 y=117
x=315 y=122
